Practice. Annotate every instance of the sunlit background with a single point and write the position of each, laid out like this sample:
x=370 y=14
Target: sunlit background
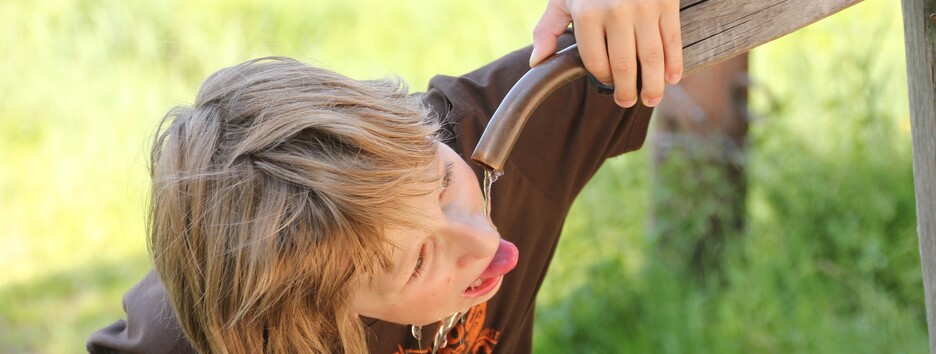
x=827 y=262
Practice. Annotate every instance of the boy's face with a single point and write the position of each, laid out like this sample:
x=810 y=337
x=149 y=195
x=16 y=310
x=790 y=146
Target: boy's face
x=456 y=262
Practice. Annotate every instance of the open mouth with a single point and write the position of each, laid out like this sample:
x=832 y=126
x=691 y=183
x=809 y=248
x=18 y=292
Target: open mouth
x=482 y=287
x=505 y=259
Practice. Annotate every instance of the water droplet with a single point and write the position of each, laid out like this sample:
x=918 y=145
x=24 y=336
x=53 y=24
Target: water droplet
x=416 y=331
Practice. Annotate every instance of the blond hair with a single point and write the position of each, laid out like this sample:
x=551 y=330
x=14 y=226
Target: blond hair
x=270 y=198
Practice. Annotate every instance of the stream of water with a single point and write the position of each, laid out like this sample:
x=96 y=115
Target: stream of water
x=490 y=176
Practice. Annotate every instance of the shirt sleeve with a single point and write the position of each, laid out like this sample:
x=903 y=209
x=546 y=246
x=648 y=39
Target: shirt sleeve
x=150 y=327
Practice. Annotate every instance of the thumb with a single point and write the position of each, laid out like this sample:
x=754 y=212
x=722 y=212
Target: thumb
x=551 y=25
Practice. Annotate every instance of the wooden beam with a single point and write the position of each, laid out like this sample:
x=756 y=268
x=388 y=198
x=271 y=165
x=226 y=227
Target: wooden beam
x=715 y=30
x=920 y=38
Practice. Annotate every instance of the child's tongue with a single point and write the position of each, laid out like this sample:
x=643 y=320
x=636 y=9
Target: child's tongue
x=504 y=260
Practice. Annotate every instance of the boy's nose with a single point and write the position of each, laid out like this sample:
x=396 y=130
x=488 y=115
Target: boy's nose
x=478 y=240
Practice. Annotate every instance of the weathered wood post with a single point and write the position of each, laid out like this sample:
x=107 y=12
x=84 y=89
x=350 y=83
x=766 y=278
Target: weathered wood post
x=920 y=38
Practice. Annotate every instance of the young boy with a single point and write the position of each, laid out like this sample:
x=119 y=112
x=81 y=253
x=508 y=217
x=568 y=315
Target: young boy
x=296 y=210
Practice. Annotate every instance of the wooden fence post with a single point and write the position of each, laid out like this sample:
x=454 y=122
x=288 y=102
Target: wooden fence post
x=920 y=38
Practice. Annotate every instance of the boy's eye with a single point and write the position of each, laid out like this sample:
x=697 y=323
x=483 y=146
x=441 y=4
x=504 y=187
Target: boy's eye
x=420 y=267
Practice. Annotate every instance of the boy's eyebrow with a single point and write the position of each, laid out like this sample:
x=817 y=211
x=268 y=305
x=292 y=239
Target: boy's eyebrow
x=402 y=270
x=396 y=277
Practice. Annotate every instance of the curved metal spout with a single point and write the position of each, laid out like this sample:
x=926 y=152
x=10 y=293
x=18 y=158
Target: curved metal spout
x=512 y=114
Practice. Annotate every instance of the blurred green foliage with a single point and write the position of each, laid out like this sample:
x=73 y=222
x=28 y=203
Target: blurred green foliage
x=828 y=262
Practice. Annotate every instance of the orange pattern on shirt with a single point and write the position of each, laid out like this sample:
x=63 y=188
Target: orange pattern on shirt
x=470 y=338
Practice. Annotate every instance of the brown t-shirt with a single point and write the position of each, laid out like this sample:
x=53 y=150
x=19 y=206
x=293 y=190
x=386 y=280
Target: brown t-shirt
x=562 y=146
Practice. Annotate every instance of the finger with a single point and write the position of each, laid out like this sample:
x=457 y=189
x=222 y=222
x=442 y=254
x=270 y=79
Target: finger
x=623 y=55
x=672 y=44
x=650 y=56
x=551 y=25
x=590 y=36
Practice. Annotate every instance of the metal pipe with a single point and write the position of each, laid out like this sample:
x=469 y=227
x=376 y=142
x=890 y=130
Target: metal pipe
x=511 y=115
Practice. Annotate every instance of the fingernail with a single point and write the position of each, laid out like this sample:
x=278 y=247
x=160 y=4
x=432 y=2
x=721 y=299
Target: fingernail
x=629 y=103
x=532 y=58
x=652 y=102
x=673 y=78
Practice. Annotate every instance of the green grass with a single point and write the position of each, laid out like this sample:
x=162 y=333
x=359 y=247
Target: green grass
x=828 y=263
